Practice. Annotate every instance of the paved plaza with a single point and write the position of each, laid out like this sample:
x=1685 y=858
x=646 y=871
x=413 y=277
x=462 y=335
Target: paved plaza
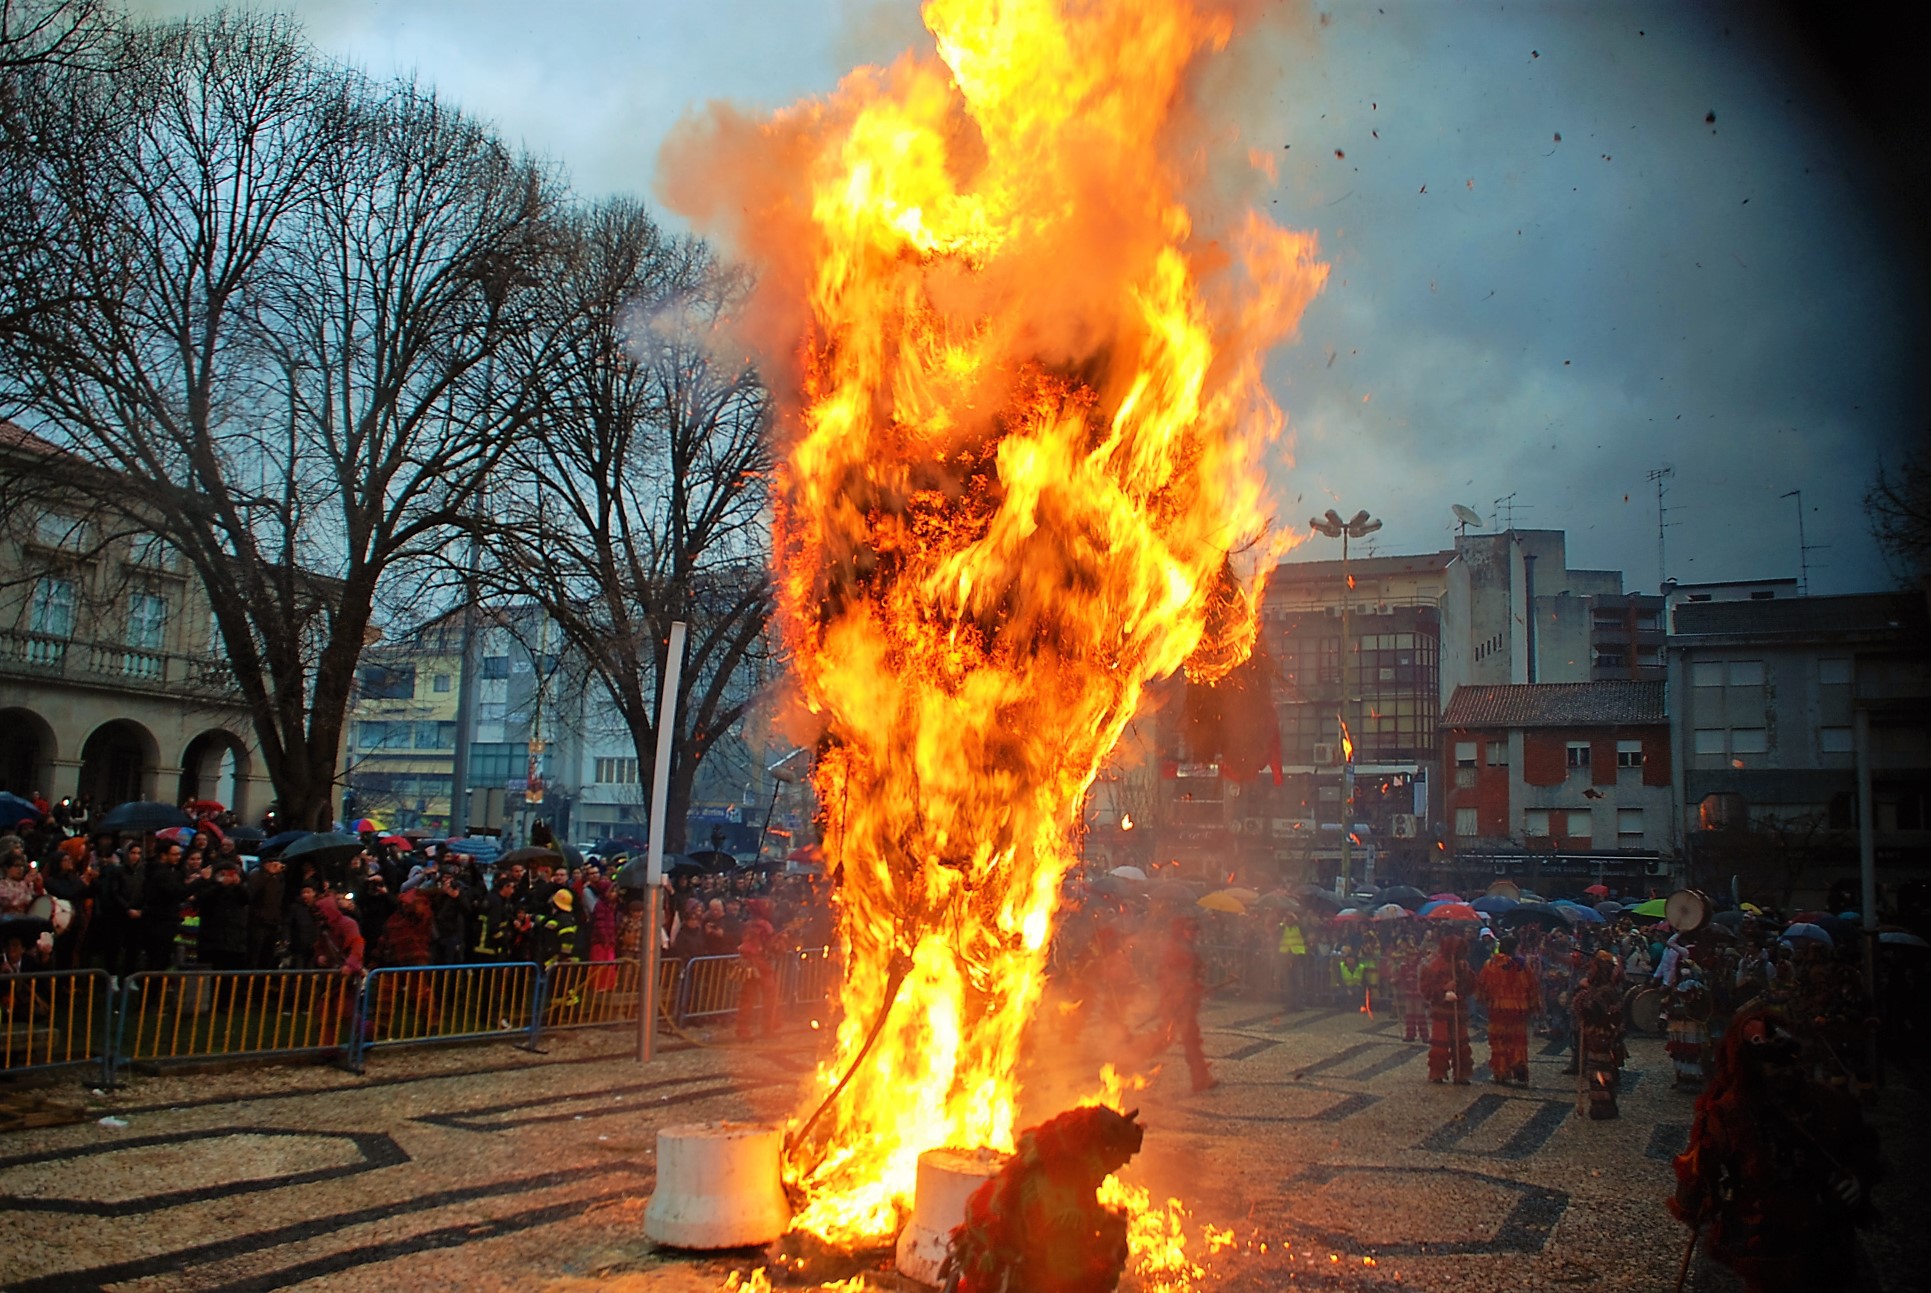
x=486 y=1167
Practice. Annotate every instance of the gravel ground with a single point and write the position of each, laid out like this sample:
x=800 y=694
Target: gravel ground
x=487 y=1167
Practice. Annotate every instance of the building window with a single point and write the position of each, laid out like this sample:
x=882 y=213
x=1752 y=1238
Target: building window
x=376 y=734
x=1581 y=824
x=1749 y=740
x=1464 y=754
x=1497 y=752
x=435 y=736
x=1836 y=740
x=1710 y=740
x=1834 y=670
x=386 y=682
x=147 y=621
x=495 y=668
x=52 y=611
x=1616 y=659
x=1629 y=828
x=1535 y=822
x=616 y=772
x=1745 y=673
x=1465 y=824
x=1706 y=673
x=440 y=684
x=57 y=531
x=1578 y=754
x=1629 y=754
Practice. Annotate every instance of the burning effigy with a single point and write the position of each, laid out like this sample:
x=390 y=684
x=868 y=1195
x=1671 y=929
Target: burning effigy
x=1014 y=311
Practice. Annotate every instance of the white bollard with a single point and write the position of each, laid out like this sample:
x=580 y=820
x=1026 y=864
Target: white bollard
x=718 y=1186
x=947 y=1178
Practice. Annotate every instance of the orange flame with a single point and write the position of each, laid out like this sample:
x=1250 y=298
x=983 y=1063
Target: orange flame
x=1126 y=821
x=1347 y=742
x=1025 y=438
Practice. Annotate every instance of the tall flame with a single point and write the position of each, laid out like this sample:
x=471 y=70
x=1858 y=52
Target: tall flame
x=1024 y=431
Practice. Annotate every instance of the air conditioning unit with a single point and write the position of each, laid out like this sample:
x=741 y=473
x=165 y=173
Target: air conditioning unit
x=1324 y=754
x=1251 y=826
x=1402 y=826
x=1656 y=866
x=1334 y=612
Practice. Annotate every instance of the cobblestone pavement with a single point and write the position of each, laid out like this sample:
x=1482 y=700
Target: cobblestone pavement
x=486 y=1167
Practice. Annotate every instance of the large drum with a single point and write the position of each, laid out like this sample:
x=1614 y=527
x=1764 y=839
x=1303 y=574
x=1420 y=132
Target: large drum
x=1688 y=910
x=1643 y=1009
x=57 y=912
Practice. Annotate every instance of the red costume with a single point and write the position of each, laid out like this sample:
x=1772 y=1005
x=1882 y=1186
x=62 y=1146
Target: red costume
x=1446 y=982
x=1509 y=990
x=758 y=970
x=1183 y=984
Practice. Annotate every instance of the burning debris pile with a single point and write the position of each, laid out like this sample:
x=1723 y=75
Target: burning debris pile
x=1018 y=353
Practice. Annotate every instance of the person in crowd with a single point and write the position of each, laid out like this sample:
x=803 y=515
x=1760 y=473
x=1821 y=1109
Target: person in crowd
x=1182 y=987
x=1291 y=947
x=1559 y=962
x=338 y=946
x=553 y=937
x=496 y=934
x=267 y=914
x=1599 y=1038
x=1509 y=992
x=1447 y=982
x=20 y=884
x=1779 y=1166
x=409 y=935
x=163 y=892
x=374 y=905
x=72 y=880
x=604 y=918
x=757 y=974
x=221 y=904
x=1687 y=1008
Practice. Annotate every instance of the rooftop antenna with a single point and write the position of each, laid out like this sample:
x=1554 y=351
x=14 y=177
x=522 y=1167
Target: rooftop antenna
x=1507 y=503
x=1466 y=516
x=1660 y=477
x=1803 y=549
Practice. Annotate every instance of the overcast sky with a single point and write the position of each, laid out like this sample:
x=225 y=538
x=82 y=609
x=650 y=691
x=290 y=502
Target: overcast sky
x=1510 y=313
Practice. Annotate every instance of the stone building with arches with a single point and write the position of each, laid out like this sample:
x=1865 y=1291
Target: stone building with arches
x=112 y=686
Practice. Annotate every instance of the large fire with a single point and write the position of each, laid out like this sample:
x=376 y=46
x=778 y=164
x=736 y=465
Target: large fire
x=1020 y=352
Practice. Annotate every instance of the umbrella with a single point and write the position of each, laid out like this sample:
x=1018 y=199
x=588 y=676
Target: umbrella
x=1392 y=911
x=368 y=825
x=1173 y=891
x=1405 y=894
x=1444 y=897
x=323 y=848
x=1278 y=901
x=1575 y=911
x=1313 y=895
x=1804 y=929
x=276 y=843
x=1108 y=886
x=14 y=809
x=1242 y=893
x=714 y=860
x=246 y=835
x=1223 y=901
x=1431 y=904
x=1349 y=915
x=1901 y=938
x=142 y=816
x=1495 y=904
x=1534 y=913
x=635 y=874
x=209 y=806
x=528 y=855
x=1731 y=919
x=1652 y=909
x=1128 y=873
x=1610 y=908
x=24 y=928
x=400 y=842
x=1751 y=908
x=1505 y=889
x=1454 y=911
x=1597 y=891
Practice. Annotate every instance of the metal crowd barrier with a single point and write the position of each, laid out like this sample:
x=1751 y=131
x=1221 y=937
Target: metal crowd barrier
x=709 y=987
x=417 y=1004
x=807 y=976
x=56 y=1019
x=222 y=1014
x=586 y=994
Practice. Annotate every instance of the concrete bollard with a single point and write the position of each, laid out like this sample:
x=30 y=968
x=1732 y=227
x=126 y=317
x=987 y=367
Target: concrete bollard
x=718 y=1186
x=947 y=1178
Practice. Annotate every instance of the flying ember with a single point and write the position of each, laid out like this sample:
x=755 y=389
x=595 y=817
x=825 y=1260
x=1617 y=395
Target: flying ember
x=1016 y=328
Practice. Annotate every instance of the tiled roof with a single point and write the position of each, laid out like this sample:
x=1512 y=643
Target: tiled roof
x=1854 y=613
x=1557 y=704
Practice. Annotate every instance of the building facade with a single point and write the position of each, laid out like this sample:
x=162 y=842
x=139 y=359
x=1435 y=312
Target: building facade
x=1560 y=781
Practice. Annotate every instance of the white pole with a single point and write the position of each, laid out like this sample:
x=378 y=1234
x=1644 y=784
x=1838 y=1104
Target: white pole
x=654 y=863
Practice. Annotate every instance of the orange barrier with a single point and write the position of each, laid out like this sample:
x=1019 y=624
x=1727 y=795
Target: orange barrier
x=446 y=1003
x=56 y=1019
x=586 y=994
x=217 y=1014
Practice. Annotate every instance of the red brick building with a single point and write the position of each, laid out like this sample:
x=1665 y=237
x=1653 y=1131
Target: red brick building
x=1559 y=779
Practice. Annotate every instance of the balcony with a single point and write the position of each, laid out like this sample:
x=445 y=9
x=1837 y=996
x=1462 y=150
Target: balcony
x=37 y=657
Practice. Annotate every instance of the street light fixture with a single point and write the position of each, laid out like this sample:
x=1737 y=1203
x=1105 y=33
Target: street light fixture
x=1358 y=526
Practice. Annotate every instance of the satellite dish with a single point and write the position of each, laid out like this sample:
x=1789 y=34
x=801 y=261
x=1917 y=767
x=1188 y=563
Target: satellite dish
x=1467 y=516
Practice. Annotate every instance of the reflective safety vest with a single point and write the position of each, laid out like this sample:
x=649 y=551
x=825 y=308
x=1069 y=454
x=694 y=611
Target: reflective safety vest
x=1292 y=944
x=1352 y=977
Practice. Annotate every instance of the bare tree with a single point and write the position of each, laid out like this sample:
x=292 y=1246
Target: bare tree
x=642 y=499
x=51 y=33
x=260 y=316
x=1899 y=505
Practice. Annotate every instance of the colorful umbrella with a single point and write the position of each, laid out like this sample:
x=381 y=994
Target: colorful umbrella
x=1652 y=909
x=210 y=806
x=1242 y=893
x=1597 y=891
x=15 y=809
x=1455 y=911
x=402 y=843
x=1350 y=915
x=1901 y=938
x=364 y=825
x=1128 y=873
x=1444 y=897
x=1392 y=911
x=1223 y=901
x=1576 y=911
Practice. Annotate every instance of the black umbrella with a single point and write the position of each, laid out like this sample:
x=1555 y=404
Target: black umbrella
x=1533 y=913
x=1404 y=894
x=633 y=874
x=274 y=844
x=144 y=817
x=528 y=855
x=714 y=860
x=246 y=835
x=677 y=867
x=1314 y=897
x=24 y=928
x=323 y=848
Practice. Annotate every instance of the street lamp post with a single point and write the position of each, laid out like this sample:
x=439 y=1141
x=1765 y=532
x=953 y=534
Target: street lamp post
x=1358 y=526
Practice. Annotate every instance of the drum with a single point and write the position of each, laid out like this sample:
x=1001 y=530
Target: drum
x=1505 y=889
x=57 y=912
x=1687 y=910
x=1643 y=1009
